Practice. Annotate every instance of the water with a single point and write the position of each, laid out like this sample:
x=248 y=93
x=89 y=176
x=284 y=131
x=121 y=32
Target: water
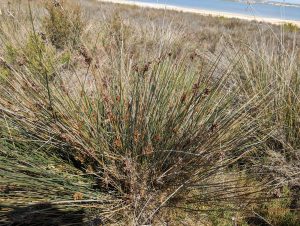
x=288 y=10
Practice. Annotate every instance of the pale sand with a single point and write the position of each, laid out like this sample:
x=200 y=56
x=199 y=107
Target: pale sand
x=203 y=12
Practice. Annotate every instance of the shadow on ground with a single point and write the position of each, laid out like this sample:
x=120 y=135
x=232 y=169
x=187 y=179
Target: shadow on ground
x=43 y=215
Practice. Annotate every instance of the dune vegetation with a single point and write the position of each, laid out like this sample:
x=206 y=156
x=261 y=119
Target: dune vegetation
x=119 y=115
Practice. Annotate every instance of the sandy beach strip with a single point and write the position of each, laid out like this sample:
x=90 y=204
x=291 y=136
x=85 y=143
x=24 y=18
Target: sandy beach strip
x=203 y=12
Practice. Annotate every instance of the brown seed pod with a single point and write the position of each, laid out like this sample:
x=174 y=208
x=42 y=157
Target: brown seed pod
x=183 y=98
x=77 y=196
x=148 y=150
x=214 y=127
x=206 y=91
x=196 y=87
x=157 y=138
x=136 y=136
x=118 y=143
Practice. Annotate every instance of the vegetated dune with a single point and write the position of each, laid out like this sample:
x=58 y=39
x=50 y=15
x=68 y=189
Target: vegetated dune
x=115 y=115
x=204 y=12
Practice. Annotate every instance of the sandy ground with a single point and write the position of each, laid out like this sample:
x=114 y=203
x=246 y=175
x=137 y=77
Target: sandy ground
x=203 y=12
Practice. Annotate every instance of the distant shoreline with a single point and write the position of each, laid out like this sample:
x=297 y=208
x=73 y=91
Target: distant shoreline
x=203 y=12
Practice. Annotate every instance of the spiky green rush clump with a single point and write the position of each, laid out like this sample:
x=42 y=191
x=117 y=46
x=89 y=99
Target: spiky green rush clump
x=148 y=134
x=132 y=137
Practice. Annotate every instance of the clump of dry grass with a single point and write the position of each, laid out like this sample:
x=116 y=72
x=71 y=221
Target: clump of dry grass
x=275 y=77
